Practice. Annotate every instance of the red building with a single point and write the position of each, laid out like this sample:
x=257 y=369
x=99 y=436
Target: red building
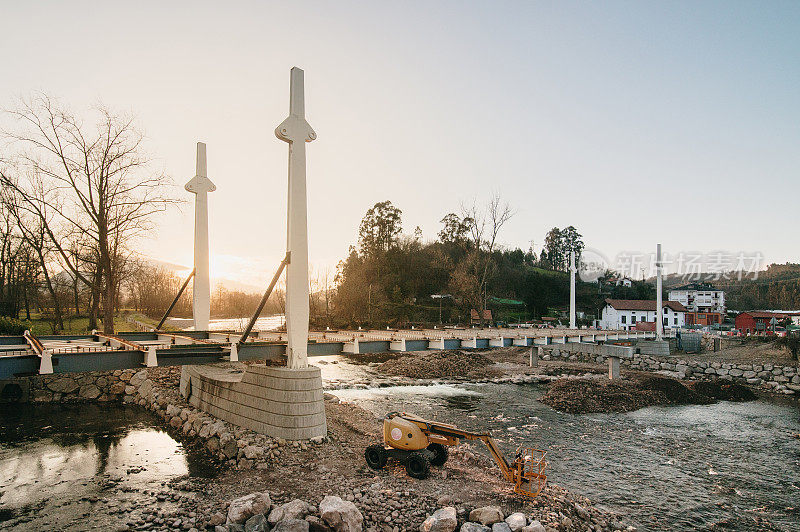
x=757 y=320
x=703 y=318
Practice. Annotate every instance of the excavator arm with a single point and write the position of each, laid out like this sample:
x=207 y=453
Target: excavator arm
x=527 y=472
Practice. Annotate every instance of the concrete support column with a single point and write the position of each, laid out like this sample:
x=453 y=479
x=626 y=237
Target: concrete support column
x=398 y=345
x=659 y=302
x=572 y=289
x=496 y=342
x=535 y=354
x=200 y=185
x=150 y=358
x=437 y=343
x=234 y=357
x=613 y=368
x=296 y=131
x=46 y=363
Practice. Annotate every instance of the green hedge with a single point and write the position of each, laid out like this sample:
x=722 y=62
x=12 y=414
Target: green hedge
x=13 y=325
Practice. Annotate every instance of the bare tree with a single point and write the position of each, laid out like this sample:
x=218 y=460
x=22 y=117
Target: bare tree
x=484 y=227
x=97 y=187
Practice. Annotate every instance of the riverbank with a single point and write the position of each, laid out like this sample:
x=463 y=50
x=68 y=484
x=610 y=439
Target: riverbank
x=249 y=462
x=388 y=498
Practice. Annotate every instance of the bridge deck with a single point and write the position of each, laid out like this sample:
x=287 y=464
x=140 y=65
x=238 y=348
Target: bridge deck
x=98 y=352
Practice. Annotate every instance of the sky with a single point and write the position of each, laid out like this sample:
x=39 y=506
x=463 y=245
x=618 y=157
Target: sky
x=636 y=122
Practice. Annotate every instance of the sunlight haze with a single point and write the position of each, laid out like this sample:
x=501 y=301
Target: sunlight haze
x=624 y=119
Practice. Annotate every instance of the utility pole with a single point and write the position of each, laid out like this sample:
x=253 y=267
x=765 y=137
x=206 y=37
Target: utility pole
x=659 y=302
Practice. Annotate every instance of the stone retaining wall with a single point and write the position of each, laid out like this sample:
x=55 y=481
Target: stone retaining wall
x=781 y=379
x=100 y=386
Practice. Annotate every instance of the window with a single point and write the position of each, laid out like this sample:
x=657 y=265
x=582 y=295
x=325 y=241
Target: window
x=676 y=320
x=623 y=318
x=633 y=319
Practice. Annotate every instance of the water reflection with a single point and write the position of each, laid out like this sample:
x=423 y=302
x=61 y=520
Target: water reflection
x=57 y=452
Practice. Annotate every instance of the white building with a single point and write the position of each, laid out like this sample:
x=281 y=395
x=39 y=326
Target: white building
x=624 y=314
x=699 y=297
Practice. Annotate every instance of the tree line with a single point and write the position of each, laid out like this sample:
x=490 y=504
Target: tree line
x=394 y=278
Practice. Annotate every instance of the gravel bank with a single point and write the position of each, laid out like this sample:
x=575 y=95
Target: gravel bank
x=582 y=396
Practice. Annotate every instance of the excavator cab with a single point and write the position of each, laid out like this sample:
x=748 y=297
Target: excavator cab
x=419 y=444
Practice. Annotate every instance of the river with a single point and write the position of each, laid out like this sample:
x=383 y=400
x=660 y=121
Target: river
x=662 y=468
x=60 y=465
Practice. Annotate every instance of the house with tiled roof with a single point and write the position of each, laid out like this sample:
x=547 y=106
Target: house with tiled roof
x=754 y=321
x=626 y=313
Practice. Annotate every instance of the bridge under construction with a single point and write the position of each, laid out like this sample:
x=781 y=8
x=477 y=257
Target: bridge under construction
x=31 y=355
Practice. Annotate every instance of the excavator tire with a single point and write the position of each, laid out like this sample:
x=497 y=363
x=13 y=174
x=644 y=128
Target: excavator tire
x=418 y=465
x=376 y=456
x=440 y=454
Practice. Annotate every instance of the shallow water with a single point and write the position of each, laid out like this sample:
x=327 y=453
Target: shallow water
x=663 y=468
x=57 y=461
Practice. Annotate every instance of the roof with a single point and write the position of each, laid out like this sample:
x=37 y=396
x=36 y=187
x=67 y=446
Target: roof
x=765 y=314
x=643 y=304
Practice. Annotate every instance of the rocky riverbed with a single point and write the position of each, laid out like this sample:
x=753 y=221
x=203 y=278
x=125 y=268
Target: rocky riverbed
x=388 y=500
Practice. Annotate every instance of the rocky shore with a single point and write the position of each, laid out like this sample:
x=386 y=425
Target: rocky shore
x=387 y=501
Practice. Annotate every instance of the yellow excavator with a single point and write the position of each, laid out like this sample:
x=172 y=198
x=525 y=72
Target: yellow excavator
x=419 y=444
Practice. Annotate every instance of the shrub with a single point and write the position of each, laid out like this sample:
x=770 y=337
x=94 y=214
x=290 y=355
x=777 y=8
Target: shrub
x=13 y=325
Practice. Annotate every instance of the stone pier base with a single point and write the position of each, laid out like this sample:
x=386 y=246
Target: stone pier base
x=280 y=402
x=613 y=368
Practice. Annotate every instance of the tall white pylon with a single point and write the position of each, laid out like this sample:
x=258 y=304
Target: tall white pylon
x=659 y=302
x=296 y=131
x=200 y=185
x=572 y=289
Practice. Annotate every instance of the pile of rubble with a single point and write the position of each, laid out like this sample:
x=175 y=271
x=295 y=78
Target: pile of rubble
x=437 y=365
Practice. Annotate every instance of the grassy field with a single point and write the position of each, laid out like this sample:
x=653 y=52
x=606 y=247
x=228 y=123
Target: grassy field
x=78 y=325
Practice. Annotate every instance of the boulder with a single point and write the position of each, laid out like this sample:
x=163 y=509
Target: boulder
x=292 y=525
x=138 y=378
x=442 y=520
x=217 y=519
x=474 y=527
x=516 y=521
x=244 y=508
x=486 y=515
x=315 y=524
x=295 y=509
x=501 y=527
x=342 y=516
x=257 y=523
x=63 y=385
x=146 y=388
x=252 y=452
x=582 y=512
x=229 y=448
x=90 y=391
x=535 y=526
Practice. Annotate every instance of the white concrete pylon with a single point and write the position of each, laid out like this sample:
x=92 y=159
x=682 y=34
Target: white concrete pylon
x=659 y=302
x=572 y=289
x=296 y=131
x=200 y=185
